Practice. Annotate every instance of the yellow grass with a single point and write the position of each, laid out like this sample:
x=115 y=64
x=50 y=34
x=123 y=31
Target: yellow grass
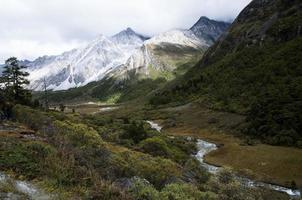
x=275 y=164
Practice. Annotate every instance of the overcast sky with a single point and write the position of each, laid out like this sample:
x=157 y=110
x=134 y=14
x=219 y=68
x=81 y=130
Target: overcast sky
x=32 y=28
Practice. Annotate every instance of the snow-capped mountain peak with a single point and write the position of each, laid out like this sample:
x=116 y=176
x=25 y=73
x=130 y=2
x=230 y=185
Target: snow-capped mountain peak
x=83 y=65
x=128 y=37
x=118 y=53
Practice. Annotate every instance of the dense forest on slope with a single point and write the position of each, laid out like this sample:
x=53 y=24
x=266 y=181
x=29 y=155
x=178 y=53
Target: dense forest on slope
x=254 y=69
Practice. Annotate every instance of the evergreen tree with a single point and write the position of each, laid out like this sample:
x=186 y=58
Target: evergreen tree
x=13 y=81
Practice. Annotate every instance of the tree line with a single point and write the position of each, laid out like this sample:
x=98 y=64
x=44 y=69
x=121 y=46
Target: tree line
x=13 y=82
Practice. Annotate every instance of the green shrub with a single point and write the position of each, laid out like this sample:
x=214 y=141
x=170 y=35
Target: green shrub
x=157 y=170
x=195 y=173
x=107 y=191
x=80 y=135
x=162 y=146
x=185 y=191
x=155 y=146
x=135 y=131
x=142 y=190
x=27 y=159
x=34 y=119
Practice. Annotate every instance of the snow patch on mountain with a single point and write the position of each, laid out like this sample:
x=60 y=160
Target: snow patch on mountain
x=145 y=57
x=178 y=37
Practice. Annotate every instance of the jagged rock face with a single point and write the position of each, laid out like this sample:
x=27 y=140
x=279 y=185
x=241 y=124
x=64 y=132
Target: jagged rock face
x=208 y=29
x=120 y=54
x=81 y=66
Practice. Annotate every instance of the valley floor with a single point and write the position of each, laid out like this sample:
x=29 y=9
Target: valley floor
x=272 y=164
x=257 y=161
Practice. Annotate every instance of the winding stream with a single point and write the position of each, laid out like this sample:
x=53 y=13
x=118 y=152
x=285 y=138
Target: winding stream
x=206 y=147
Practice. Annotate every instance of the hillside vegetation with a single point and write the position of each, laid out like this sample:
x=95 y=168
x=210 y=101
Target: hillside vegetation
x=110 y=157
x=255 y=69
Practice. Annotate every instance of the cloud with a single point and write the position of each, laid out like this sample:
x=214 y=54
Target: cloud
x=33 y=28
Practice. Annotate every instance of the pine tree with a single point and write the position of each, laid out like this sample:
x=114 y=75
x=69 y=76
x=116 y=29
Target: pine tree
x=14 y=80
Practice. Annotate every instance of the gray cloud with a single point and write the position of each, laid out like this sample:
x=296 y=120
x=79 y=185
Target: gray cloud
x=31 y=28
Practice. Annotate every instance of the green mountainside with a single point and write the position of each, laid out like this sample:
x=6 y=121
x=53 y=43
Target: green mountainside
x=255 y=69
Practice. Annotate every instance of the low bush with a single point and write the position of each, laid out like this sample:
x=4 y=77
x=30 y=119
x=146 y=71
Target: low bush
x=141 y=189
x=27 y=159
x=156 y=147
x=79 y=135
x=135 y=131
x=34 y=119
x=195 y=173
x=185 y=191
x=162 y=146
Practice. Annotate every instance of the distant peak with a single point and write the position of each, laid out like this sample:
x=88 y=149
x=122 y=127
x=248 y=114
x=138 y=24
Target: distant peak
x=130 y=30
x=209 y=29
x=204 y=18
x=205 y=21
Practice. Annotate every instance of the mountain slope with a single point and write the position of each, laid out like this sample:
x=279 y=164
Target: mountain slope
x=117 y=55
x=160 y=54
x=208 y=29
x=255 y=69
x=164 y=53
x=150 y=66
x=160 y=59
x=81 y=66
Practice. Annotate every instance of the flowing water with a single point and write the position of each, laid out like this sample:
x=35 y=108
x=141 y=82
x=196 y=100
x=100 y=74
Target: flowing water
x=203 y=149
x=206 y=147
x=108 y=109
x=154 y=125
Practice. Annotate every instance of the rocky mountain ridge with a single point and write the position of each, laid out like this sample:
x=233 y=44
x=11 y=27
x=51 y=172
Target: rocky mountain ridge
x=117 y=55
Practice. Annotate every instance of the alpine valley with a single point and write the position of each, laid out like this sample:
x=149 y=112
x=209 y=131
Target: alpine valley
x=213 y=112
